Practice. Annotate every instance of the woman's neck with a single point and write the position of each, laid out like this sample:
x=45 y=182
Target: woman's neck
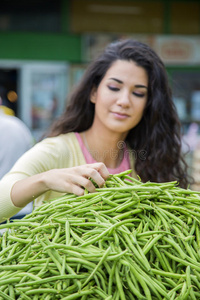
x=108 y=149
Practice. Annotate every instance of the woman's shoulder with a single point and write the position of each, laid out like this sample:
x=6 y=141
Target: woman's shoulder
x=63 y=148
x=60 y=140
x=62 y=144
x=51 y=152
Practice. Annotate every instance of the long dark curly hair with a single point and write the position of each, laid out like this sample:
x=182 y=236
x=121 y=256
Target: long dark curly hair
x=156 y=140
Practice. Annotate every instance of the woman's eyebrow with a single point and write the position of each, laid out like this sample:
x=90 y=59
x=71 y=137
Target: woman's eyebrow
x=141 y=86
x=119 y=81
x=137 y=85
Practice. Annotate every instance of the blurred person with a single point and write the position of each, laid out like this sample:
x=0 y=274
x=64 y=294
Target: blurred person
x=3 y=103
x=196 y=168
x=191 y=148
x=191 y=139
x=192 y=142
x=120 y=116
x=7 y=110
x=15 y=140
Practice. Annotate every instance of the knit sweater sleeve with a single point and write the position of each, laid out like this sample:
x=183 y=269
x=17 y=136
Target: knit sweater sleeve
x=55 y=152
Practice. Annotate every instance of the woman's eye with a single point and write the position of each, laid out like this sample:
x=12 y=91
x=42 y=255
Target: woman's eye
x=139 y=95
x=112 y=88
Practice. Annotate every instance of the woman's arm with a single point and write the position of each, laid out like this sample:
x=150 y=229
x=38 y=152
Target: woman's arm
x=51 y=168
x=67 y=180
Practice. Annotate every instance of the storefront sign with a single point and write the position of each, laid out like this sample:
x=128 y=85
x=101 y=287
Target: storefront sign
x=173 y=50
x=178 y=49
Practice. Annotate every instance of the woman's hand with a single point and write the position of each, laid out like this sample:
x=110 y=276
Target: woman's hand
x=76 y=179
x=69 y=180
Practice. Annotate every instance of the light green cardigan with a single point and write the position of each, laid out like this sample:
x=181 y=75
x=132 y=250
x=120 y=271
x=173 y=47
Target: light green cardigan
x=62 y=151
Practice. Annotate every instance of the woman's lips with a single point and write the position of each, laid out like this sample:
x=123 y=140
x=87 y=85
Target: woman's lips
x=120 y=115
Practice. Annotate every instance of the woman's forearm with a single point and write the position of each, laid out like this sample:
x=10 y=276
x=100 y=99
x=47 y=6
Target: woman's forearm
x=26 y=190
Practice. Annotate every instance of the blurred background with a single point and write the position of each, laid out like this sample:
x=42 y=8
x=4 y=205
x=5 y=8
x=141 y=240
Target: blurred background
x=45 y=46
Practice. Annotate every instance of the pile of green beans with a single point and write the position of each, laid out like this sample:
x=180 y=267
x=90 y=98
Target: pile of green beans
x=128 y=240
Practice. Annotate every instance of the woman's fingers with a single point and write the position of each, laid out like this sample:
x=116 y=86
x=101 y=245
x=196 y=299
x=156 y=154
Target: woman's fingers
x=79 y=184
x=97 y=172
x=101 y=168
x=76 y=179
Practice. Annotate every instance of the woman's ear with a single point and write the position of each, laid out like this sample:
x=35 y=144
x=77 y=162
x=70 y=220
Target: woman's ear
x=93 y=95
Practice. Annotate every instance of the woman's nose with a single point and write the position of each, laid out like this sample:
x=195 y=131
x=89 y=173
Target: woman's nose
x=124 y=99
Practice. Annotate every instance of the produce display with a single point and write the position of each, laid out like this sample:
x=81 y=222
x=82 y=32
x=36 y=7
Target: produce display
x=128 y=240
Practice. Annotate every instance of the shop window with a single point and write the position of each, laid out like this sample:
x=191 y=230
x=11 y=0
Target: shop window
x=8 y=90
x=37 y=15
x=186 y=93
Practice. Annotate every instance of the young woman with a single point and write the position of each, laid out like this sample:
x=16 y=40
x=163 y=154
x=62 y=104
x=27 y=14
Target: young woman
x=120 y=116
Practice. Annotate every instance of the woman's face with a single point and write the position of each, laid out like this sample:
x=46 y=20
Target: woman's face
x=121 y=97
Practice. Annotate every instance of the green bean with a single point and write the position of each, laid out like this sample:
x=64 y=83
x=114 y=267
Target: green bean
x=171 y=282
x=133 y=289
x=197 y=233
x=127 y=214
x=182 y=261
x=44 y=268
x=20 y=240
x=160 y=258
x=141 y=259
x=147 y=248
x=188 y=283
x=51 y=255
x=5 y=250
x=172 y=216
x=127 y=240
x=14 y=267
x=130 y=188
x=134 y=280
x=168 y=274
x=134 y=180
x=57 y=235
x=154 y=285
x=93 y=240
x=10 y=280
x=17 y=224
x=41 y=291
x=172 y=295
x=122 y=174
x=120 y=197
x=54 y=278
x=101 y=293
x=16 y=254
x=169 y=195
x=78 y=294
x=171 y=242
x=5 y=296
x=97 y=266
x=108 y=298
x=108 y=201
x=182 y=210
x=139 y=278
x=187 y=192
x=130 y=295
x=125 y=205
x=111 y=277
x=4 y=240
x=11 y=291
x=119 y=284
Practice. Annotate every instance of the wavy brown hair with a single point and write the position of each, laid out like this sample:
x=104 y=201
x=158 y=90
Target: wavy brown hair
x=158 y=134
